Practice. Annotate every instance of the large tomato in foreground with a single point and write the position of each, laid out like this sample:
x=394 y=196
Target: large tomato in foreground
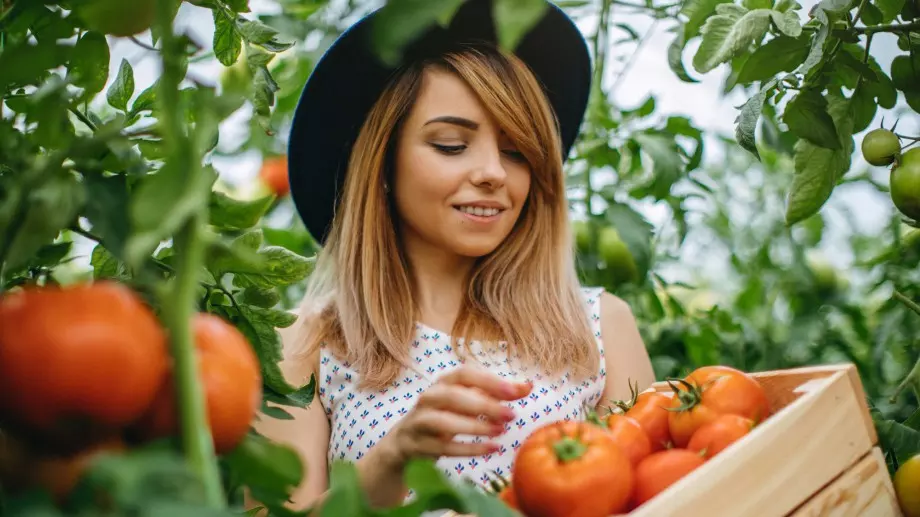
x=78 y=358
x=710 y=392
x=661 y=470
x=231 y=380
x=907 y=486
x=571 y=469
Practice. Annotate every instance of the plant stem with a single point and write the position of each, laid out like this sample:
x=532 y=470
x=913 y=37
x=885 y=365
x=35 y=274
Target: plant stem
x=912 y=380
x=907 y=301
x=896 y=28
x=189 y=245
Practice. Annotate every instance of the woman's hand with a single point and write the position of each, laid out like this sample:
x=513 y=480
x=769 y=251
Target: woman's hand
x=465 y=401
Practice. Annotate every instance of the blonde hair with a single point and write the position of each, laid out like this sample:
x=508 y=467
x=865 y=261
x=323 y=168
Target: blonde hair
x=359 y=300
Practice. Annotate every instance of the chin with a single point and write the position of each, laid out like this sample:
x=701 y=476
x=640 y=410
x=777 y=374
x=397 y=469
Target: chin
x=474 y=248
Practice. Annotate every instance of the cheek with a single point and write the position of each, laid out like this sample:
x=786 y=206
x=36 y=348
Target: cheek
x=423 y=183
x=519 y=183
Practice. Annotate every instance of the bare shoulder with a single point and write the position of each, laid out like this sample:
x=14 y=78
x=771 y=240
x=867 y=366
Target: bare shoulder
x=627 y=359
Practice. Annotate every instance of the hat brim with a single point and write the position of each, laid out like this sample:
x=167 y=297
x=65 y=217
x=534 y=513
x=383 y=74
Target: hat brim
x=349 y=78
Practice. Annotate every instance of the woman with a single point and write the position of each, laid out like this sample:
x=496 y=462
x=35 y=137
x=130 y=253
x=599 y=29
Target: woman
x=444 y=318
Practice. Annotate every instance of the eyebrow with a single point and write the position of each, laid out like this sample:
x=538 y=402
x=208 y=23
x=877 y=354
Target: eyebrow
x=457 y=121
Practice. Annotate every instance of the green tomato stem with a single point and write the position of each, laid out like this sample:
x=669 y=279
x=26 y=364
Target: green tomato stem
x=189 y=246
x=896 y=28
x=569 y=449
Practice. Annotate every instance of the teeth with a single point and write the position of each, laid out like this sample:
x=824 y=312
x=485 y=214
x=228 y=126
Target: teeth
x=480 y=211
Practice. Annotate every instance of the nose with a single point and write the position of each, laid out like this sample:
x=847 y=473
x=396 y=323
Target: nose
x=490 y=171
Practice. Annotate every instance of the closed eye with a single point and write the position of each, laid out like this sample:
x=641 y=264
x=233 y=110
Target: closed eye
x=449 y=149
x=515 y=155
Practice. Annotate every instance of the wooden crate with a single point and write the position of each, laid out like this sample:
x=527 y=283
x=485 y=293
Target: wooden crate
x=815 y=456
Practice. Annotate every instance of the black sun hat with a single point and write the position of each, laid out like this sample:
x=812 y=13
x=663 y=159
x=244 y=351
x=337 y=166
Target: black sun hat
x=350 y=76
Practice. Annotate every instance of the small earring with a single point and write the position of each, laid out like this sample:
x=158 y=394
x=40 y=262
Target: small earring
x=386 y=187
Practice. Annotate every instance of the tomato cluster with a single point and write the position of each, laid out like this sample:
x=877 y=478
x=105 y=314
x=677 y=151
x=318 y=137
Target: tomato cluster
x=614 y=463
x=86 y=369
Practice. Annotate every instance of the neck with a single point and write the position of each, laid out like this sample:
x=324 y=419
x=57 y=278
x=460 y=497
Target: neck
x=440 y=280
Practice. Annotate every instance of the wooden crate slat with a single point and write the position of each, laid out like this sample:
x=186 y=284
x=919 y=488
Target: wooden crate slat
x=863 y=490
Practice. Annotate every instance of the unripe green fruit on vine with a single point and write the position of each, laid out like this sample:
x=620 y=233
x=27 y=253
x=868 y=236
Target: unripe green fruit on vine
x=905 y=184
x=880 y=147
x=116 y=17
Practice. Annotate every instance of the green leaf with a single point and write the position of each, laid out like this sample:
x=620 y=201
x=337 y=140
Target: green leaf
x=238 y=6
x=26 y=64
x=780 y=54
x=901 y=440
x=227 y=42
x=727 y=33
x=818 y=169
x=864 y=109
x=260 y=297
x=106 y=265
x=890 y=9
x=635 y=231
x=748 y=117
x=271 y=470
x=757 y=4
x=807 y=117
x=255 y=31
x=272 y=266
x=161 y=204
x=46 y=209
x=883 y=89
x=345 y=497
x=668 y=166
x=257 y=325
x=108 y=213
x=233 y=214
x=697 y=12
x=51 y=255
x=123 y=88
x=89 y=63
x=146 y=100
x=399 y=22
x=515 y=18
x=675 y=56
x=788 y=23
x=871 y=15
x=816 y=53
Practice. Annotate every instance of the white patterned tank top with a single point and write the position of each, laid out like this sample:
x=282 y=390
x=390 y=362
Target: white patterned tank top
x=359 y=419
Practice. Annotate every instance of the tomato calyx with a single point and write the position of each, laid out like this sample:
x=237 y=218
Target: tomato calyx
x=688 y=398
x=625 y=405
x=569 y=448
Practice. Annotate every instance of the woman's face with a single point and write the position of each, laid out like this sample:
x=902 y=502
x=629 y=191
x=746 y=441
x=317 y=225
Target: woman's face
x=460 y=183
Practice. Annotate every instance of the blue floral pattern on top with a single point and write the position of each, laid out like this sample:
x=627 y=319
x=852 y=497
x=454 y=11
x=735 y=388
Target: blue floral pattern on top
x=359 y=419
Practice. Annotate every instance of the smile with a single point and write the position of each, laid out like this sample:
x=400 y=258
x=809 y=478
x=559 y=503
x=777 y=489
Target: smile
x=479 y=211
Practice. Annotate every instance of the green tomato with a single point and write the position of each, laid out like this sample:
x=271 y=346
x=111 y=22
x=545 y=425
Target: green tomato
x=880 y=147
x=616 y=256
x=905 y=184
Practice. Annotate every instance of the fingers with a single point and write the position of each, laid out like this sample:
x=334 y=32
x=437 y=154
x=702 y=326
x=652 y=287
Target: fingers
x=465 y=401
x=488 y=382
x=433 y=447
x=445 y=423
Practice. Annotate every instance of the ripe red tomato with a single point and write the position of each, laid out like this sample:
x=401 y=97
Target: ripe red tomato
x=274 y=174
x=75 y=358
x=571 y=469
x=715 y=436
x=231 y=379
x=712 y=391
x=630 y=436
x=661 y=470
x=651 y=413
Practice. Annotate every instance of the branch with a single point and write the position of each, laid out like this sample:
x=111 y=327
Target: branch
x=143 y=45
x=897 y=28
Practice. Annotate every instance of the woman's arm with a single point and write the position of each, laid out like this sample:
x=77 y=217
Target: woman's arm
x=627 y=360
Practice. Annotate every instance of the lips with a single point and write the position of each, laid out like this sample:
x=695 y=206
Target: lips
x=479 y=211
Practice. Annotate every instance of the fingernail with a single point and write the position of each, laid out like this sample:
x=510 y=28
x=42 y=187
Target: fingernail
x=498 y=429
x=508 y=414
